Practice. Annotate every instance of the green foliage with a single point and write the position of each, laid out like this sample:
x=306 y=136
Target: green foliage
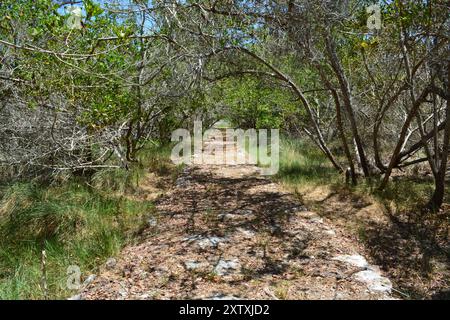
x=98 y=81
x=252 y=104
x=92 y=9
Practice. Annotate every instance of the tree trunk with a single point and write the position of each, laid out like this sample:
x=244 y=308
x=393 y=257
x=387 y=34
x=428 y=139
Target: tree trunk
x=339 y=123
x=438 y=196
x=345 y=89
x=343 y=139
x=401 y=140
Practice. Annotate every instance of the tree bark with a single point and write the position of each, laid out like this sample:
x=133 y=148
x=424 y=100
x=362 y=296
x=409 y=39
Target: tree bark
x=339 y=122
x=438 y=196
x=345 y=89
x=395 y=155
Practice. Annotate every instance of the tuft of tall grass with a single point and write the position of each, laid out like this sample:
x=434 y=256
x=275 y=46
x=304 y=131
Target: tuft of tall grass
x=77 y=222
x=406 y=193
x=303 y=164
x=157 y=157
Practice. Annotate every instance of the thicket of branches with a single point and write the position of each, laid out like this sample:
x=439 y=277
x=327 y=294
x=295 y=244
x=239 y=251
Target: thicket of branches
x=374 y=101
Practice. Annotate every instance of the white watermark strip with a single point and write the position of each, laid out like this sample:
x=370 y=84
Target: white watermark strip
x=212 y=148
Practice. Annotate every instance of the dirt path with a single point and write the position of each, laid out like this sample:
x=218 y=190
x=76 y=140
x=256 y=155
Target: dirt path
x=226 y=232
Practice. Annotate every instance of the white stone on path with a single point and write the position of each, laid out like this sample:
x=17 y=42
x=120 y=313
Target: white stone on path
x=205 y=242
x=374 y=281
x=317 y=220
x=210 y=242
x=371 y=277
x=354 y=260
x=246 y=233
x=194 y=265
x=224 y=267
x=221 y=296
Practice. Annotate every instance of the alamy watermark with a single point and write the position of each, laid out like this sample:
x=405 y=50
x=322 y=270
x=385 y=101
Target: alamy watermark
x=75 y=16
x=73 y=281
x=228 y=147
x=374 y=20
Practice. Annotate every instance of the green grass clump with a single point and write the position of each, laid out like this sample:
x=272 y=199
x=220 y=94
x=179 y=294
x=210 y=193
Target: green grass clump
x=302 y=164
x=77 y=222
x=408 y=193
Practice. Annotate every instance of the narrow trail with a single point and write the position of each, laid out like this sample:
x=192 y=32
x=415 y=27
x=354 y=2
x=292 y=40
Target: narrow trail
x=225 y=232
